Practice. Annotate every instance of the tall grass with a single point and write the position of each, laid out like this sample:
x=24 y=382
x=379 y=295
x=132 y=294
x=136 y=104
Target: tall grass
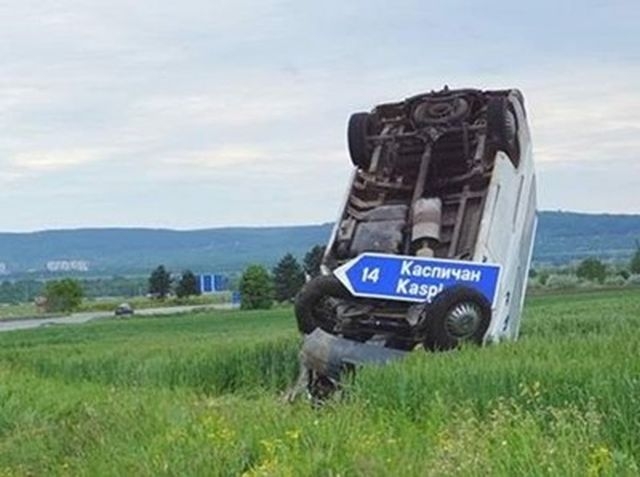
x=212 y=353
x=200 y=396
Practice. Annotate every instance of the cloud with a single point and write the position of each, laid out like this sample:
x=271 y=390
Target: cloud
x=243 y=103
x=43 y=161
x=222 y=157
x=576 y=118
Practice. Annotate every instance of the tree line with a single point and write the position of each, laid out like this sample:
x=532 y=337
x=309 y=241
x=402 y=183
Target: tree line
x=588 y=271
x=26 y=290
x=162 y=283
x=259 y=288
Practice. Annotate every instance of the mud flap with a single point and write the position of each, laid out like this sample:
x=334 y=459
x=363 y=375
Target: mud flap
x=329 y=355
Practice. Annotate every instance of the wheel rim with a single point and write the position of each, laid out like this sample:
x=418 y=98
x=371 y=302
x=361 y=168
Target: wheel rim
x=463 y=320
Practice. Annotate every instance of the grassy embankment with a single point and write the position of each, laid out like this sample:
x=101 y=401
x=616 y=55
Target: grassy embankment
x=199 y=395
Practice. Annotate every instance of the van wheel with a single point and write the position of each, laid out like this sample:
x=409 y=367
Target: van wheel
x=357 y=130
x=458 y=314
x=315 y=304
x=502 y=128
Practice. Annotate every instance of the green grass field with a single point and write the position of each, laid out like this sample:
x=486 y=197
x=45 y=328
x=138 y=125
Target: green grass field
x=201 y=395
x=30 y=310
x=22 y=310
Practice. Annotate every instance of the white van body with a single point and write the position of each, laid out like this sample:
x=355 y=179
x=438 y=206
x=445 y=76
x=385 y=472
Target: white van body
x=511 y=250
x=447 y=175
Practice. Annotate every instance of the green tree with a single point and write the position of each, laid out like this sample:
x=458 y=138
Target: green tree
x=288 y=278
x=543 y=277
x=625 y=274
x=312 y=260
x=6 y=293
x=635 y=260
x=592 y=269
x=160 y=282
x=256 y=288
x=188 y=285
x=63 y=295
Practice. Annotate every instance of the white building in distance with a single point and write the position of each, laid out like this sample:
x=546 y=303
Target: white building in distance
x=67 y=266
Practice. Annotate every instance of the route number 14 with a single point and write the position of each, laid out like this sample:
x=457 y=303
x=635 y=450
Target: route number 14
x=370 y=275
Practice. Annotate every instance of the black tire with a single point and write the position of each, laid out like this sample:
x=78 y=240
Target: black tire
x=502 y=128
x=357 y=130
x=444 y=334
x=518 y=94
x=312 y=308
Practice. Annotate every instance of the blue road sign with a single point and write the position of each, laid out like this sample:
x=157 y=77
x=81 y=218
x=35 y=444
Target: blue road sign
x=415 y=279
x=206 y=283
x=211 y=283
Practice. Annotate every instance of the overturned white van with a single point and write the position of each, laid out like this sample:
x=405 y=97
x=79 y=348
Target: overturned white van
x=443 y=200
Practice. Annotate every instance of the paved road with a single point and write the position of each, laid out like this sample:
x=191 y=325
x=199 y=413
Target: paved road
x=77 y=318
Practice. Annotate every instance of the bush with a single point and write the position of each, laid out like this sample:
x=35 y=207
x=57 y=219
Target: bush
x=624 y=273
x=592 y=269
x=634 y=266
x=615 y=281
x=634 y=280
x=534 y=284
x=562 y=281
x=63 y=295
x=543 y=277
x=256 y=288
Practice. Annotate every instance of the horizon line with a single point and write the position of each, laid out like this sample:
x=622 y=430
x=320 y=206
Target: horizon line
x=247 y=226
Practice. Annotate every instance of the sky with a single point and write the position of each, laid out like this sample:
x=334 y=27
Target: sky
x=208 y=113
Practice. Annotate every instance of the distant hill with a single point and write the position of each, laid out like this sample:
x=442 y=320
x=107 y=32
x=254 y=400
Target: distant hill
x=129 y=251
x=562 y=237
x=566 y=236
